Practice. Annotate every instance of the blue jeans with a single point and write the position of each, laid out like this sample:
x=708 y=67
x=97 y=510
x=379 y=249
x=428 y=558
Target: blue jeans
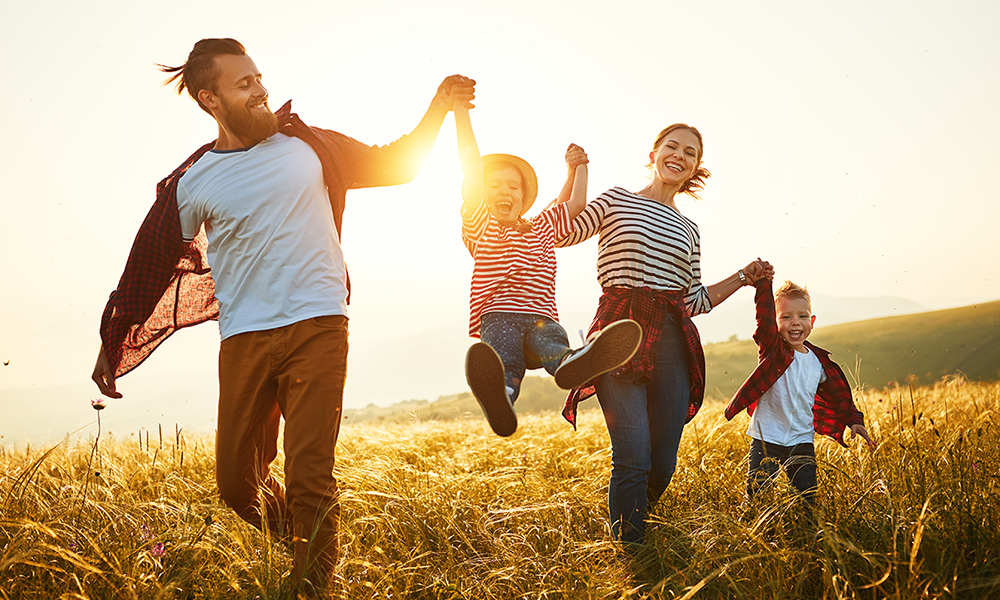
x=645 y=423
x=524 y=341
x=799 y=462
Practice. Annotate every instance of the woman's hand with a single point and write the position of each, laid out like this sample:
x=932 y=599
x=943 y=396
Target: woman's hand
x=757 y=269
x=575 y=156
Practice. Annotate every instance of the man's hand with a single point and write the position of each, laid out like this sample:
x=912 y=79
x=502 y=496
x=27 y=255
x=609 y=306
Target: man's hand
x=575 y=156
x=104 y=377
x=456 y=91
x=857 y=430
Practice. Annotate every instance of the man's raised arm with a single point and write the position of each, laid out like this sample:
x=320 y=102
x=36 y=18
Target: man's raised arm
x=401 y=161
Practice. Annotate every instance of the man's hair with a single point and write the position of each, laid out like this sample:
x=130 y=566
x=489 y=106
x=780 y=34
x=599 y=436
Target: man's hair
x=692 y=186
x=790 y=291
x=199 y=72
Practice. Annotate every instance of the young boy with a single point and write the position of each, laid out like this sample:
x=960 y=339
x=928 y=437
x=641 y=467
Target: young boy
x=796 y=389
x=512 y=303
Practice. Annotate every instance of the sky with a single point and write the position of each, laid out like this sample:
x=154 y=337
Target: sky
x=852 y=145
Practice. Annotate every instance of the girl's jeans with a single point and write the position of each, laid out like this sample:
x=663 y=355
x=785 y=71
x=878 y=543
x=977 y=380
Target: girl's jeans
x=524 y=341
x=645 y=424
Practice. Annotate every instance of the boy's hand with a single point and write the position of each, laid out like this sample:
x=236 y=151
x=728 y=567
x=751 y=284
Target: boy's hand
x=575 y=156
x=857 y=430
x=757 y=269
x=456 y=91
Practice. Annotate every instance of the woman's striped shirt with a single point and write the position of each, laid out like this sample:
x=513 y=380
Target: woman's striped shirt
x=514 y=272
x=643 y=243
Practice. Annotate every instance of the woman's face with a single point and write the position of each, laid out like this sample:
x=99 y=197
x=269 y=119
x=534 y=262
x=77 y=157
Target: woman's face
x=676 y=158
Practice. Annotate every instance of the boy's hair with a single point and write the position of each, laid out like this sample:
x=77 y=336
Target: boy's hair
x=789 y=290
x=692 y=186
x=199 y=72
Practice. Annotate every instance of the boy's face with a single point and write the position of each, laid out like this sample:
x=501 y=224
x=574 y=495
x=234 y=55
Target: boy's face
x=504 y=194
x=795 y=321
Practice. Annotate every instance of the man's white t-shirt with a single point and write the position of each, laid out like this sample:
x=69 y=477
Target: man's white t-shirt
x=272 y=243
x=784 y=413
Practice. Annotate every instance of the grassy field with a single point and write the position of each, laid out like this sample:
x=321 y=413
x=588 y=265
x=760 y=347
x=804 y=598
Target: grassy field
x=446 y=510
x=920 y=348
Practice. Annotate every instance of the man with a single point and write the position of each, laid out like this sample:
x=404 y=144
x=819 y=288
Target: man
x=268 y=264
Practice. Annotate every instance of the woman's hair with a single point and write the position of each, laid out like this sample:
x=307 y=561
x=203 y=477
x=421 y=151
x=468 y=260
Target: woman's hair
x=199 y=72
x=696 y=183
x=791 y=291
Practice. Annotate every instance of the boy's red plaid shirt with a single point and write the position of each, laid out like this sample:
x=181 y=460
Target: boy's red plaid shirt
x=833 y=407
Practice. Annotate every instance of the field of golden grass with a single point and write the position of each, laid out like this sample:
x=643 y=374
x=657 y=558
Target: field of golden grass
x=447 y=510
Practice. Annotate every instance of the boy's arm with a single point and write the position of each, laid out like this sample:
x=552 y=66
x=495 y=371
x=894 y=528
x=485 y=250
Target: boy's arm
x=471 y=161
x=766 y=334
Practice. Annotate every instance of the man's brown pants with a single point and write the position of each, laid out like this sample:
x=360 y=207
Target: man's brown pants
x=297 y=371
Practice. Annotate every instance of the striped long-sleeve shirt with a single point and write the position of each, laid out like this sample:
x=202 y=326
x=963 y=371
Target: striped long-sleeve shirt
x=643 y=243
x=514 y=272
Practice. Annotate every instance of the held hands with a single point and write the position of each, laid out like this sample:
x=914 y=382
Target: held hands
x=758 y=269
x=575 y=156
x=456 y=91
x=857 y=430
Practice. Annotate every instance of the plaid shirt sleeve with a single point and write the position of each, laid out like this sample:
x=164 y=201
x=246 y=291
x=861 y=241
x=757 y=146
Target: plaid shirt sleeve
x=772 y=359
x=166 y=284
x=766 y=334
x=833 y=408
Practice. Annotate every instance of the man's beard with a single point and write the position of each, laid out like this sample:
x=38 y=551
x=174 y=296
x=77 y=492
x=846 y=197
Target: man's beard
x=248 y=125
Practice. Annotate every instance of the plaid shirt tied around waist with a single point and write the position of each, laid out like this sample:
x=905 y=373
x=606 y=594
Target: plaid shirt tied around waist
x=833 y=406
x=649 y=308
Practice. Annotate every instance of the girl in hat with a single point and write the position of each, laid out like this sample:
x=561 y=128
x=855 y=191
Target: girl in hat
x=512 y=303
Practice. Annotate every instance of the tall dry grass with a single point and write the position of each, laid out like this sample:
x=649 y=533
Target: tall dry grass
x=447 y=510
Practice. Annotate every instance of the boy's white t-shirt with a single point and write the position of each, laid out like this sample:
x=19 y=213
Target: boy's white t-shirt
x=272 y=242
x=784 y=413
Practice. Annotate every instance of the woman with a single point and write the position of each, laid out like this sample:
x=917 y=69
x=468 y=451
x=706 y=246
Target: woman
x=649 y=266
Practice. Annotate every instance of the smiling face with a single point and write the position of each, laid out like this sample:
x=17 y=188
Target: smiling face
x=795 y=321
x=504 y=193
x=675 y=160
x=239 y=100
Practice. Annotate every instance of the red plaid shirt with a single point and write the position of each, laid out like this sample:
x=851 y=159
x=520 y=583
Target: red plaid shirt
x=649 y=308
x=833 y=408
x=167 y=284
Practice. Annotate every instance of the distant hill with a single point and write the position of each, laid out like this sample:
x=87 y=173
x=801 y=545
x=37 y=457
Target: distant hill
x=921 y=347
